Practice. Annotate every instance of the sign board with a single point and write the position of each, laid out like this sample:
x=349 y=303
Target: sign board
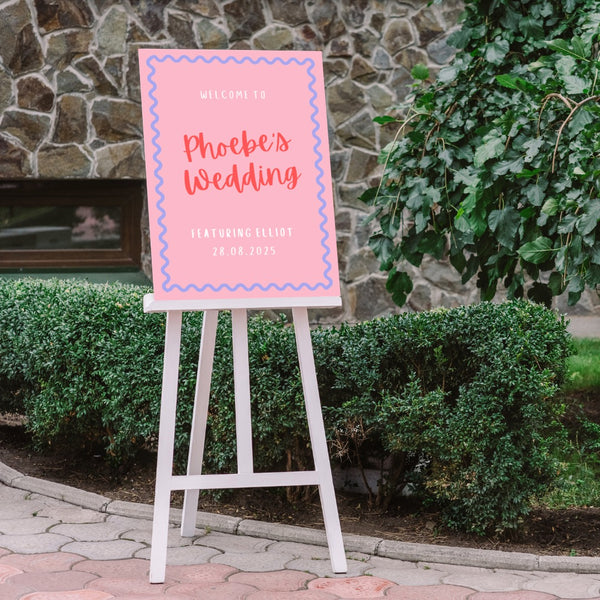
x=238 y=175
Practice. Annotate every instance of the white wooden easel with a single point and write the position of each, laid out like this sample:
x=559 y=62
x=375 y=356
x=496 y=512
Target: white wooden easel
x=194 y=480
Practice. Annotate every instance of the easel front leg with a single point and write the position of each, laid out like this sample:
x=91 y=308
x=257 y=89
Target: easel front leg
x=241 y=379
x=198 y=433
x=166 y=438
x=318 y=440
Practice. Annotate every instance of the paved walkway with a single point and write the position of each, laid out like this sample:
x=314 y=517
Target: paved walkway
x=59 y=543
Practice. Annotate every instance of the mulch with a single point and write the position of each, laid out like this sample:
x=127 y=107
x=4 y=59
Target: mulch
x=574 y=531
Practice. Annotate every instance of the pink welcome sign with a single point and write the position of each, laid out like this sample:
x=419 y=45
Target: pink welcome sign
x=238 y=175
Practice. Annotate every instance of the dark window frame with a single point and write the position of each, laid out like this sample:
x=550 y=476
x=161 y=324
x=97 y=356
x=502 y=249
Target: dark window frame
x=127 y=194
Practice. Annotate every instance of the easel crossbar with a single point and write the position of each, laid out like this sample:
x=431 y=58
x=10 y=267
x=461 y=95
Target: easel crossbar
x=242 y=480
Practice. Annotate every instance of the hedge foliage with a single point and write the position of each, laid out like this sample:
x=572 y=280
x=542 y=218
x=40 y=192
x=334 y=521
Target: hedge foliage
x=456 y=405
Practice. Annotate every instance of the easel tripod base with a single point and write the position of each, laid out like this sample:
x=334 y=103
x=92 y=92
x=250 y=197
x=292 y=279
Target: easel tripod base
x=194 y=480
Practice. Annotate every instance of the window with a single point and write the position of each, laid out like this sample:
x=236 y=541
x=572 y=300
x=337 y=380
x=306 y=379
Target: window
x=70 y=224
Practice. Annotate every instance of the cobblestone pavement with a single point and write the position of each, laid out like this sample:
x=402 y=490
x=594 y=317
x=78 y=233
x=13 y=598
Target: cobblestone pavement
x=91 y=548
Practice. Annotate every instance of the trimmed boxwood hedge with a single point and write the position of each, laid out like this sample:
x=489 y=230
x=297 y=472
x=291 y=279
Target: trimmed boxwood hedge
x=456 y=405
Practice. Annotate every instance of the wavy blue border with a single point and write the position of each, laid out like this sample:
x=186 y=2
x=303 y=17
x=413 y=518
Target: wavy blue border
x=167 y=285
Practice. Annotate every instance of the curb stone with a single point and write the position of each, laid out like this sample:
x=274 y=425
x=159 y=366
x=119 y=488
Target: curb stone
x=60 y=491
x=411 y=552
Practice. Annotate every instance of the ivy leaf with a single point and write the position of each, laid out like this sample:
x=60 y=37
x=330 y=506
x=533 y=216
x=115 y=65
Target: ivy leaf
x=589 y=221
x=531 y=28
x=575 y=85
x=508 y=81
x=505 y=224
x=508 y=166
x=387 y=151
x=563 y=47
x=369 y=196
x=492 y=148
x=385 y=119
x=514 y=83
x=581 y=119
x=533 y=147
x=536 y=252
x=399 y=284
x=447 y=74
x=556 y=284
x=495 y=52
x=432 y=244
x=550 y=207
x=460 y=38
x=567 y=224
x=382 y=246
x=596 y=254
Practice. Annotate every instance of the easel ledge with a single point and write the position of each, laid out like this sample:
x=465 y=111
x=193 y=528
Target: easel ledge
x=153 y=305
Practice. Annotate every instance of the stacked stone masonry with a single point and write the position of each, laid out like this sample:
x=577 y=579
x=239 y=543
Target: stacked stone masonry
x=70 y=99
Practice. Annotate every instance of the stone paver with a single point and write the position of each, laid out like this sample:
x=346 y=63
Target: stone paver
x=185 y=555
x=214 y=591
x=486 y=581
x=42 y=563
x=274 y=581
x=250 y=561
x=90 y=532
x=132 y=567
x=565 y=585
x=234 y=544
x=104 y=550
x=430 y=592
x=352 y=587
x=26 y=525
x=322 y=567
x=20 y=508
x=54 y=582
x=299 y=595
x=418 y=576
x=72 y=514
x=300 y=550
x=518 y=595
x=32 y=544
x=118 y=586
x=72 y=595
x=199 y=573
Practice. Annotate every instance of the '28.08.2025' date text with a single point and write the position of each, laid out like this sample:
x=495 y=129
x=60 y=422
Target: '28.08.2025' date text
x=225 y=251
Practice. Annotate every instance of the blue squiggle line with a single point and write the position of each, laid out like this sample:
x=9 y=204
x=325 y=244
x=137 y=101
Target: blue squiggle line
x=242 y=286
x=155 y=156
x=159 y=204
x=315 y=133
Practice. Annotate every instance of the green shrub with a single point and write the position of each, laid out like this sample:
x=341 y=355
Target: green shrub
x=89 y=361
x=458 y=404
x=469 y=394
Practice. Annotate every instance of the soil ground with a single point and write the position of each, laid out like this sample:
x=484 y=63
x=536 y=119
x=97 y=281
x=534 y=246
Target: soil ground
x=574 y=531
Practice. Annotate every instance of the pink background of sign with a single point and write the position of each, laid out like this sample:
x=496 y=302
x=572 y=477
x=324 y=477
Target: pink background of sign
x=186 y=267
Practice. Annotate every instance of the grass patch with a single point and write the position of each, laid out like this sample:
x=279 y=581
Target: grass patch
x=584 y=366
x=579 y=485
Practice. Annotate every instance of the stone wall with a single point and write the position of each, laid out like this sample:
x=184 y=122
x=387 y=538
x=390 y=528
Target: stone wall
x=70 y=104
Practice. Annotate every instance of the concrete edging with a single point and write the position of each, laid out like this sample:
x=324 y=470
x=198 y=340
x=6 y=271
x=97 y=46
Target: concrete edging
x=410 y=552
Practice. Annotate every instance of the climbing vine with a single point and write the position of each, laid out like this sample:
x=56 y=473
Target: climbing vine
x=496 y=164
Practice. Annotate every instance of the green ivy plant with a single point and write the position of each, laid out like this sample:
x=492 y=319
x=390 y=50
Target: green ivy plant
x=496 y=164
